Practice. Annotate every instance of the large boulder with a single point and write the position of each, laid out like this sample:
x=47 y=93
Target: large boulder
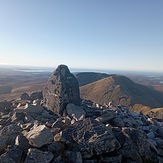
x=90 y=137
x=61 y=89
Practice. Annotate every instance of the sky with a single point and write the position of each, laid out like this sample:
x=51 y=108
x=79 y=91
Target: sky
x=95 y=34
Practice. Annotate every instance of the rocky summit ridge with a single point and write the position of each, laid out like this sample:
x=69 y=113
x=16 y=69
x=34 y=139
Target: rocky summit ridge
x=60 y=128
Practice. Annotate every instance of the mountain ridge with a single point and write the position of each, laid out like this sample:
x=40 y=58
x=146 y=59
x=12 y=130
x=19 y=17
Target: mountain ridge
x=121 y=90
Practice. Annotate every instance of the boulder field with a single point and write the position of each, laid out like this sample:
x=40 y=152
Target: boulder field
x=56 y=126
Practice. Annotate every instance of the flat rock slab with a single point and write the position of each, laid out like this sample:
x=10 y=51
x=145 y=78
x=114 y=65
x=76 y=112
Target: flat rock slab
x=90 y=137
x=39 y=136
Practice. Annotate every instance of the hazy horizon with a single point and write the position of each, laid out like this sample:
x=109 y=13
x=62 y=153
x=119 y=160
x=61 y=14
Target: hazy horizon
x=103 y=35
x=25 y=68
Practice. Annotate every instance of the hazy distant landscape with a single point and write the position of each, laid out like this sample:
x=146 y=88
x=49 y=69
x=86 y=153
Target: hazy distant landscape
x=15 y=81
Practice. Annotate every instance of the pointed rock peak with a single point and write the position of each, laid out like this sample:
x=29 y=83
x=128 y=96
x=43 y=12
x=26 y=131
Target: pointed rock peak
x=62 y=71
x=61 y=89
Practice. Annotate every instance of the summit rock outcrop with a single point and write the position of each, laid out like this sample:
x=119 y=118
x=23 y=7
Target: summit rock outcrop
x=61 y=89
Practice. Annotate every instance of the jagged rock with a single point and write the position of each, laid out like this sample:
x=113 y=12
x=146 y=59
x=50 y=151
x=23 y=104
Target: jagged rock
x=17 y=117
x=138 y=144
x=6 y=159
x=30 y=109
x=151 y=135
x=90 y=137
x=129 y=152
x=92 y=112
x=35 y=155
x=2 y=143
x=13 y=155
x=24 y=96
x=56 y=148
x=22 y=142
x=5 y=106
x=159 y=142
x=39 y=136
x=118 y=122
x=36 y=95
x=111 y=158
x=106 y=116
x=61 y=89
x=75 y=112
x=70 y=156
x=9 y=133
x=160 y=132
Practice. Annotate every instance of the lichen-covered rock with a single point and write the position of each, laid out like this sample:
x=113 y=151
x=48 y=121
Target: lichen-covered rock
x=61 y=89
x=90 y=137
x=35 y=155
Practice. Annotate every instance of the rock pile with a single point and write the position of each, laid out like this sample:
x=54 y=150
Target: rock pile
x=33 y=133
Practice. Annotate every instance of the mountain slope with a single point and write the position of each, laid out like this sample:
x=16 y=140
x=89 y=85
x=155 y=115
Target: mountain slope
x=89 y=77
x=121 y=90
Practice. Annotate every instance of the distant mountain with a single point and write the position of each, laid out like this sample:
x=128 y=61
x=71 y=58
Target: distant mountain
x=89 y=77
x=121 y=90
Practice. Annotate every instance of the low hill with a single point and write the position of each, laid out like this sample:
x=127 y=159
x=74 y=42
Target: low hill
x=85 y=78
x=121 y=90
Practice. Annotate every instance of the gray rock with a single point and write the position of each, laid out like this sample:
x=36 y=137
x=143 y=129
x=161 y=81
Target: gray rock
x=159 y=142
x=13 y=155
x=61 y=89
x=106 y=116
x=36 y=95
x=6 y=159
x=112 y=158
x=5 y=106
x=140 y=143
x=2 y=143
x=151 y=135
x=24 y=96
x=56 y=148
x=160 y=131
x=118 y=122
x=35 y=155
x=9 y=133
x=75 y=157
x=22 y=142
x=17 y=117
x=34 y=109
x=30 y=109
x=39 y=136
x=90 y=137
x=75 y=112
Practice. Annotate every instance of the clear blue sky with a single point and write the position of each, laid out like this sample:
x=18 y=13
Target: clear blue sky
x=101 y=34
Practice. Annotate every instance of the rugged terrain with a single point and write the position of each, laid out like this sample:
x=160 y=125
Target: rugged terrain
x=59 y=129
x=122 y=91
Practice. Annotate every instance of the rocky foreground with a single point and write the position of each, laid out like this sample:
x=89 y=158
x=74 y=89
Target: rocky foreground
x=57 y=127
